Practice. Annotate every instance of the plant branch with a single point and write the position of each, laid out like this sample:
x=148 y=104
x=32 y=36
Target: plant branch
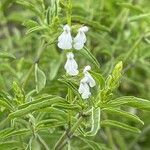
x=43 y=142
x=68 y=134
x=39 y=53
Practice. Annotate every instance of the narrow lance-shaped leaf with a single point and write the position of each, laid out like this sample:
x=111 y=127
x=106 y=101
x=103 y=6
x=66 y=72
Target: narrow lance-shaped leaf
x=92 y=144
x=7 y=55
x=93 y=24
x=95 y=122
x=6 y=4
x=30 y=23
x=36 y=100
x=54 y=67
x=131 y=7
x=36 y=106
x=125 y=114
x=10 y=145
x=117 y=124
x=139 y=17
x=36 y=28
x=30 y=6
x=91 y=57
x=99 y=78
x=40 y=78
x=71 y=86
x=9 y=132
x=130 y=101
x=4 y=104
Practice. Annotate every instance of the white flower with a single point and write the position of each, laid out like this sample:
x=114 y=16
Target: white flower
x=86 y=83
x=90 y=79
x=84 y=89
x=65 y=39
x=80 y=38
x=71 y=66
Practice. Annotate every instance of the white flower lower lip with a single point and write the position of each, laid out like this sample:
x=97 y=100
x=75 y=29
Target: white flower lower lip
x=71 y=66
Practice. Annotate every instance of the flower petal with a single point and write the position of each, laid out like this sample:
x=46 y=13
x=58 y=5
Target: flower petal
x=79 y=40
x=65 y=39
x=91 y=81
x=84 y=88
x=71 y=66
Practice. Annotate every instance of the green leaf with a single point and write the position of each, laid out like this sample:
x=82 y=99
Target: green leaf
x=7 y=55
x=93 y=24
x=54 y=67
x=30 y=24
x=4 y=104
x=40 y=78
x=55 y=113
x=130 y=101
x=36 y=106
x=90 y=56
x=99 y=78
x=66 y=106
x=50 y=123
x=10 y=145
x=131 y=7
x=113 y=123
x=9 y=132
x=5 y=100
x=6 y=4
x=36 y=28
x=139 y=17
x=48 y=15
x=124 y=114
x=36 y=100
x=30 y=6
x=92 y=144
x=18 y=91
x=71 y=86
x=95 y=120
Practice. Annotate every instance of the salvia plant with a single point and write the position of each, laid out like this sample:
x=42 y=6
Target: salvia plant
x=74 y=74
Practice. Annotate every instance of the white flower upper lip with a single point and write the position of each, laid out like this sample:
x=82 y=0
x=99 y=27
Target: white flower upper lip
x=90 y=80
x=71 y=66
x=86 y=69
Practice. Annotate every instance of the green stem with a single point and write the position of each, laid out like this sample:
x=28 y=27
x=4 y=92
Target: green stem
x=39 y=54
x=69 y=12
x=70 y=98
x=27 y=76
x=67 y=135
x=132 y=144
x=109 y=136
x=110 y=139
x=131 y=51
x=43 y=142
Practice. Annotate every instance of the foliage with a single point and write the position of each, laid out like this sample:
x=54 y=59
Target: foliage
x=40 y=106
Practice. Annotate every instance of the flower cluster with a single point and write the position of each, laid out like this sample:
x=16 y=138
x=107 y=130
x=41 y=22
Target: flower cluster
x=66 y=42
